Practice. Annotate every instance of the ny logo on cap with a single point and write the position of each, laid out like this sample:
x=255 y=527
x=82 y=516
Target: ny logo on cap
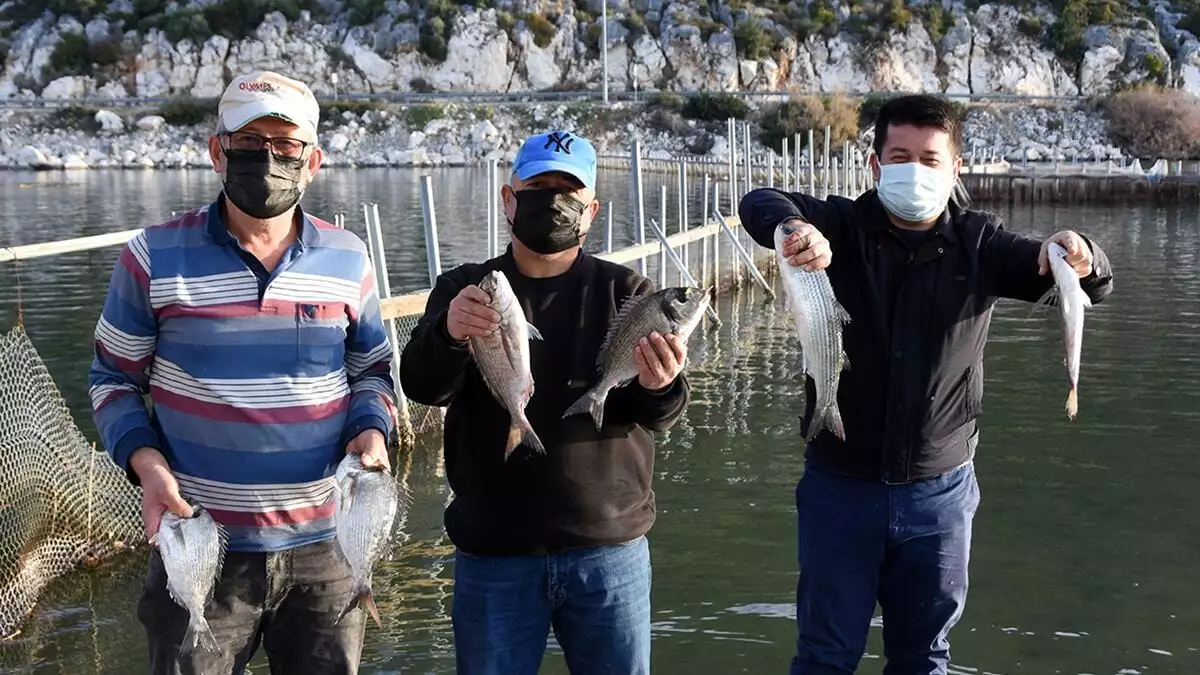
x=561 y=142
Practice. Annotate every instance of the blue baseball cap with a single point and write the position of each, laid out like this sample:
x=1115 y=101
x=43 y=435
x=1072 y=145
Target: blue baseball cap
x=557 y=151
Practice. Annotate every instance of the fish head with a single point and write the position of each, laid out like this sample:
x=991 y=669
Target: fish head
x=683 y=306
x=496 y=285
x=782 y=232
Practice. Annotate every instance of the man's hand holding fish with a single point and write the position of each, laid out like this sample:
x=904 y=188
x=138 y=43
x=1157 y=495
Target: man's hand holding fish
x=659 y=360
x=1079 y=254
x=807 y=246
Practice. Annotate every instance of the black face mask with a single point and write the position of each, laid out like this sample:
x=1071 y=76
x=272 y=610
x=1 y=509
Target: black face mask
x=261 y=184
x=547 y=220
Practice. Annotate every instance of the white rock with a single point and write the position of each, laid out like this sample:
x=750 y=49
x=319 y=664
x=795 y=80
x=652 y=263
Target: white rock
x=748 y=69
x=74 y=162
x=1188 y=61
x=32 y=157
x=415 y=139
x=338 y=142
x=151 y=123
x=68 y=86
x=110 y=121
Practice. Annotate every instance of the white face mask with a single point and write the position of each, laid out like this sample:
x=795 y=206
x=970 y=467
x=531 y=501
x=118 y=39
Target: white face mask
x=914 y=192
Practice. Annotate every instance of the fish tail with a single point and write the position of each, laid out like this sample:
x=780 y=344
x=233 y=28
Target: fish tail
x=1073 y=402
x=833 y=420
x=364 y=599
x=591 y=402
x=199 y=634
x=521 y=431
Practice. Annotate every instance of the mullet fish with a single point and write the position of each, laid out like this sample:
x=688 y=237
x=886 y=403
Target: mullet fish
x=819 y=320
x=1072 y=302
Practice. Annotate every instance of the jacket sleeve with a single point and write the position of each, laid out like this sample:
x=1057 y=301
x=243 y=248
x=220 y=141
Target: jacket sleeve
x=368 y=363
x=762 y=209
x=126 y=337
x=654 y=410
x=433 y=364
x=1011 y=265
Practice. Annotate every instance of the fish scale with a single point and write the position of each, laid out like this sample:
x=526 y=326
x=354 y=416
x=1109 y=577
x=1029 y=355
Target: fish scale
x=193 y=553
x=819 y=320
x=502 y=359
x=675 y=310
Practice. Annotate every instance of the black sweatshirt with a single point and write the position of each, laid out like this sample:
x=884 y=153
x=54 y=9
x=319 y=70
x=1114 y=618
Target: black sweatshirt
x=590 y=488
x=920 y=312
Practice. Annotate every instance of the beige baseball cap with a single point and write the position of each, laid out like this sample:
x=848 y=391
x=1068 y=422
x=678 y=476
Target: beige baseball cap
x=268 y=94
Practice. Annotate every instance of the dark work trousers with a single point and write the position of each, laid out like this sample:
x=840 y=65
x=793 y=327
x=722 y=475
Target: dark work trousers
x=286 y=601
x=905 y=546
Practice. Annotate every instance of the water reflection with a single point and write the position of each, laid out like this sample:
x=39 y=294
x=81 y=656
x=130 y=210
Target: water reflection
x=1084 y=550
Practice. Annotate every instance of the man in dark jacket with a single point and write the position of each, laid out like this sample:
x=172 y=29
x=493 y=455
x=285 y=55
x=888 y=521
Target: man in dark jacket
x=885 y=515
x=554 y=539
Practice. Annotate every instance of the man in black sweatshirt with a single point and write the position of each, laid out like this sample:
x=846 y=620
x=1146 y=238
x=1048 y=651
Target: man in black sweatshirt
x=885 y=515
x=554 y=540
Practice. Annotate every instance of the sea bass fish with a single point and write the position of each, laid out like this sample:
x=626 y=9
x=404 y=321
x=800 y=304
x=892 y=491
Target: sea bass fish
x=369 y=505
x=671 y=310
x=503 y=360
x=1072 y=303
x=193 y=552
x=819 y=319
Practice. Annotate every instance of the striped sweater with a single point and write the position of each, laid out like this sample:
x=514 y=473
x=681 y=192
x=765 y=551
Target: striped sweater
x=257 y=381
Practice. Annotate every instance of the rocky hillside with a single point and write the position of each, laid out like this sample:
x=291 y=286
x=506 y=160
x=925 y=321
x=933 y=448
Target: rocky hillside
x=150 y=48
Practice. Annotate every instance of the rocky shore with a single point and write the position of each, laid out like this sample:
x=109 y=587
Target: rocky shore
x=404 y=136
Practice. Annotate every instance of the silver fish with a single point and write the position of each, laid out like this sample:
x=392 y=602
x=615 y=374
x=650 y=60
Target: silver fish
x=193 y=553
x=503 y=360
x=671 y=310
x=370 y=504
x=820 y=319
x=1072 y=302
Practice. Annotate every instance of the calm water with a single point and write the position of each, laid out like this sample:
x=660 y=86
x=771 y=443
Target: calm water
x=1085 y=550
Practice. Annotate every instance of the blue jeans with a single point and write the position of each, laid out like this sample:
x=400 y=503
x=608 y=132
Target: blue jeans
x=596 y=599
x=906 y=546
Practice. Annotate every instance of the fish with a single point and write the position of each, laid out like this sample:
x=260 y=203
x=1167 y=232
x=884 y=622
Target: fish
x=675 y=310
x=503 y=361
x=193 y=554
x=1072 y=303
x=820 y=320
x=369 y=504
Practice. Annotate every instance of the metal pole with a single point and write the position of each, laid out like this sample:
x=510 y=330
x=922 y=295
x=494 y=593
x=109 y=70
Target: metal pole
x=732 y=167
x=812 y=165
x=771 y=169
x=683 y=211
x=662 y=258
x=825 y=163
x=639 y=204
x=684 y=273
x=431 y=235
x=493 y=210
x=604 y=50
x=608 y=231
x=746 y=155
x=716 y=241
x=384 y=290
x=737 y=246
x=785 y=167
x=703 y=222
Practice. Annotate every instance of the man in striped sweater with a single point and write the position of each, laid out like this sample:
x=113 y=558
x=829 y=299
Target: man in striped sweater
x=255 y=329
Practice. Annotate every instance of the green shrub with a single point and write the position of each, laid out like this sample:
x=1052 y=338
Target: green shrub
x=70 y=57
x=1156 y=68
x=417 y=116
x=363 y=12
x=715 y=107
x=1031 y=27
x=666 y=100
x=433 y=40
x=868 y=109
x=186 y=111
x=542 y=28
x=1153 y=121
x=421 y=85
x=752 y=40
x=798 y=115
x=332 y=110
x=73 y=117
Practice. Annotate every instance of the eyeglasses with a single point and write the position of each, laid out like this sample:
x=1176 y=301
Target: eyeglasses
x=281 y=146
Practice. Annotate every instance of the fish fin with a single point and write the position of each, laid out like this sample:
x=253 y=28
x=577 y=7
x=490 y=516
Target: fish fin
x=591 y=402
x=816 y=426
x=1073 y=403
x=800 y=365
x=1085 y=300
x=534 y=333
x=1048 y=299
x=198 y=634
x=833 y=422
x=840 y=312
x=845 y=360
x=521 y=432
x=363 y=598
x=615 y=325
x=222 y=548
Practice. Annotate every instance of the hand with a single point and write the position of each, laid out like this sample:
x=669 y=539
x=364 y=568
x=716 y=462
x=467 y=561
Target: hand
x=372 y=446
x=1079 y=255
x=469 y=315
x=807 y=246
x=659 y=360
x=160 y=492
